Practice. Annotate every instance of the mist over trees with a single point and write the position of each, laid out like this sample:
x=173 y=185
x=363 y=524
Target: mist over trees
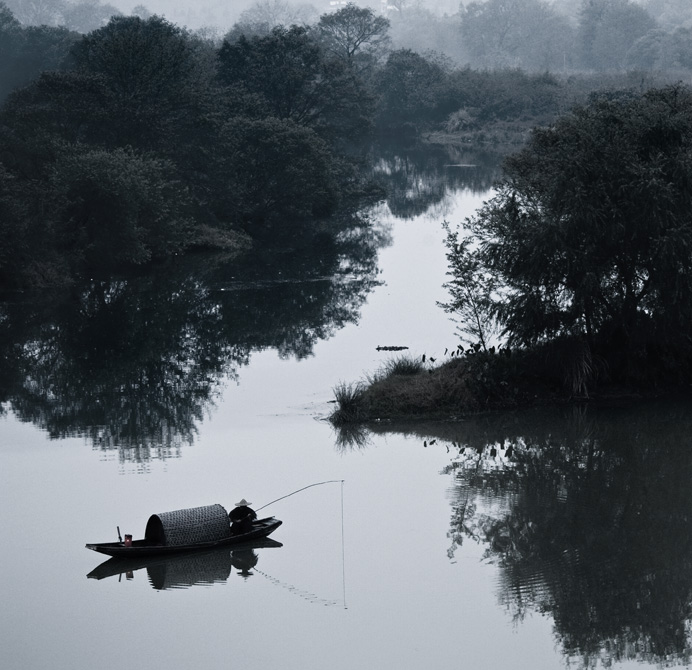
x=259 y=136
x=145 y=140
x=536 y=35
x=559 y=36
x=78 y=15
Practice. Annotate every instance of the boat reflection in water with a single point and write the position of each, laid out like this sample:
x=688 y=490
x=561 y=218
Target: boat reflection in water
x=181 y=571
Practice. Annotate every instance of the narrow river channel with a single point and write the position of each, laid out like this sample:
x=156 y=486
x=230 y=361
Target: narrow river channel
x=536 y=539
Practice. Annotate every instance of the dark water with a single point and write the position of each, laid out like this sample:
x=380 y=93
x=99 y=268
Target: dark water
x=535 y=539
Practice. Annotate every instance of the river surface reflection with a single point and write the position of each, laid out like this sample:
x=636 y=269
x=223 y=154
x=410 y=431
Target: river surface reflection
x=587 y=515
x=182 y=571
x=527 y=540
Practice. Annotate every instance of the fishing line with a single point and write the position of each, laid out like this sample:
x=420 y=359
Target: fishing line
x=343 y=553
x=329 y=481
x=302 y=593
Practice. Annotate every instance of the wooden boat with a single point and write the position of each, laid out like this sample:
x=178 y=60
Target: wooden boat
x=185 y=530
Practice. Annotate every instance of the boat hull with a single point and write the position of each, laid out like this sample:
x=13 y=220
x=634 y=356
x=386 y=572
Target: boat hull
x=260 y=528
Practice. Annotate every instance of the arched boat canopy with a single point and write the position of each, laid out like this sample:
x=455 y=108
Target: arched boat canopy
x=188 y=526
x=188 y=569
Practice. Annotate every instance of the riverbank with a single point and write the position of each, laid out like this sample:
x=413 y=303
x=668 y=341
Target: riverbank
x=499 y=137
x=475 y=382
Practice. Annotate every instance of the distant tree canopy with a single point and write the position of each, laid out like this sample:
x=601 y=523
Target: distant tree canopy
x=355 y=35
x=289 y=77
x=516 y=33
x=608 y=30
x=27 y=51
x=79 y=15
x=272 y=13
x=88 y=15
x=589 y=236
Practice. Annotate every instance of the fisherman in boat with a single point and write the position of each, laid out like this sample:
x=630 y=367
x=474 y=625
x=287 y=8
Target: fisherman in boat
x=241 y=517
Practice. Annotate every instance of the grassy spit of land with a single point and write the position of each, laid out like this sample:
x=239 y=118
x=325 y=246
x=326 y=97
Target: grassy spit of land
x=473 y=381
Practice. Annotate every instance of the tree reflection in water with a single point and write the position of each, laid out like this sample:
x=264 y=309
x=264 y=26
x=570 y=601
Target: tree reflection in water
x=421 y=179
x=588 y=517
x=135 y=362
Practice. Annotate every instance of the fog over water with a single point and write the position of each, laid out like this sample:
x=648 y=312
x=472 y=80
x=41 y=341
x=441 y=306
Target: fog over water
x=531 y=540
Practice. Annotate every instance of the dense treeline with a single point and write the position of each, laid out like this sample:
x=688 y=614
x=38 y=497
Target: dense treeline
x=141 y=139
x=563 y=36
x=502 y=60
x=536 y=35
x=149 y=140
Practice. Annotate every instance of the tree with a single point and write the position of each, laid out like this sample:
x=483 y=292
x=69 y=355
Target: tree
x=57 y=107
x=589 y=234
x=286 y=76
x=37 y=12
x=117 y=208
x=607 y=31
x=11 y=41
x=353 y=31
x=653 y=51
x=282 y=68
x=25 y=52
x=516 y=33
x=261 y=18
x=471 y=288
x=420 y=30
x=670 y=14
x=44 y=48
x=274 y=13
x=15 y=243
x=153 y=74
x=409 y=88
x=273 y=170
x=88 y=15
x=682 y=39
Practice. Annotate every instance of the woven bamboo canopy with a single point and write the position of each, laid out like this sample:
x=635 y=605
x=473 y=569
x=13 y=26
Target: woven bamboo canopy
x=188 y=526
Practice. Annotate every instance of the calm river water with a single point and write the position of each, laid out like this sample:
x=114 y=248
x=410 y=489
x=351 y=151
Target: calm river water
x=536 y=539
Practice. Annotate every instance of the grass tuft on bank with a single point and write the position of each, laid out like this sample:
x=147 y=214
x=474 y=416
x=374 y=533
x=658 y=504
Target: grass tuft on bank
x=409 y=388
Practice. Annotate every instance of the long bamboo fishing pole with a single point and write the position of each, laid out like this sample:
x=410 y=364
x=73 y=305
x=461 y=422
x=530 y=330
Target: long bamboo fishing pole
x=343 y=555
x=309 y=486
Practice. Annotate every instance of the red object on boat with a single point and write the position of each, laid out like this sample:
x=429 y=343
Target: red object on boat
x=128 y=540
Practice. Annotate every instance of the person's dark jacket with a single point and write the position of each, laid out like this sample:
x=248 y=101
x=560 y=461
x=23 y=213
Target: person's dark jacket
x=241 y=519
